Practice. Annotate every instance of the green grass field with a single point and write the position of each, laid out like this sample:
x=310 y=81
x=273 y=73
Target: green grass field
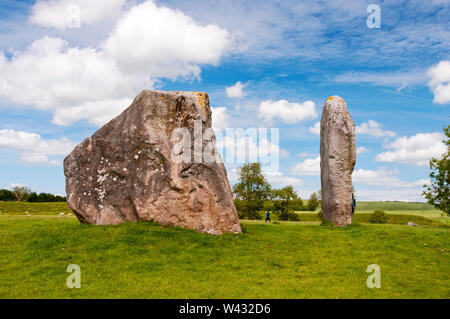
x=279 y=260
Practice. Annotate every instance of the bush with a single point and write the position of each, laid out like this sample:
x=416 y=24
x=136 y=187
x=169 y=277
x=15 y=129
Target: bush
x=246 y=210
x=293 y=217
x=378 y=217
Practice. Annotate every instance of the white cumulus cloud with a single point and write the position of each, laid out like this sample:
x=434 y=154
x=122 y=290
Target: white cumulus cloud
x=374 y=129
x=275 y=178
x=162 y=42
x=235 y=91
x=310 y=166
x=361 y=149
x=247 y=148
x=219 y=118
x=417 y=149
x=440 y=82
x=287 y=112
x=62 y=13
x=33 y=148
x=74 y=83
x=383 y=178
x=278 y=179
x=96 y=84
x=315 y=129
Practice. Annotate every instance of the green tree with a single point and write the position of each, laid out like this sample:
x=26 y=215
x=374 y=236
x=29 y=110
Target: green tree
x=313 y=202
x=438 y=193
x=33 y=197
x=21 y=192
x=297 y=205
x=6 y=195
x=284 y=201
x=251 y=191
x=320 y=197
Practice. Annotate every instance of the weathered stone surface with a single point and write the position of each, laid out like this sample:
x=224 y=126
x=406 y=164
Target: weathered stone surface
x=126 y=170
x=337 y=160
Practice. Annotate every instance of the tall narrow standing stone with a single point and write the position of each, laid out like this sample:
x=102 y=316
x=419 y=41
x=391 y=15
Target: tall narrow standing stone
x=337 y=160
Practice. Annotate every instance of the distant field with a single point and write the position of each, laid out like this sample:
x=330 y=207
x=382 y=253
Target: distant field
x=400 y=208
x=33 y=208
x=394 y=218
x=391 y=206
x=20 y=207
x=404 y=208
x=414 y=210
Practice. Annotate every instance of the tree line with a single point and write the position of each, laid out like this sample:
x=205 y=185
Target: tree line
x=24 y=194
x=253 y=194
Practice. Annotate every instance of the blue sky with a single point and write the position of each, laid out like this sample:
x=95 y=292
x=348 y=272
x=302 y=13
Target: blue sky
x=60 y=81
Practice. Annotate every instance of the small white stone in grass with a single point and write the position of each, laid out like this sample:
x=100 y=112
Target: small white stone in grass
x=136 y=156
x=124 y=169
x=87 y=168
x=115 y=179
x=157 y=149
x=139 y=152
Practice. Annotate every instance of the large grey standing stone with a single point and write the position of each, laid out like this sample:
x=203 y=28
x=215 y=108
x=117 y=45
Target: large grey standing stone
x=337 y=160
x=126 y=171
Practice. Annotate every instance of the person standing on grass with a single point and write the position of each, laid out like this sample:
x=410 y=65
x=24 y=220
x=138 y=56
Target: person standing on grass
x=353 y=204
x=268 y=217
